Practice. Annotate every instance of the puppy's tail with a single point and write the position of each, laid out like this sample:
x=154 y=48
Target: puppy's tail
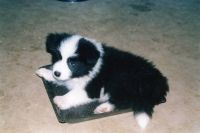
x=142 y=119
x=143 y=113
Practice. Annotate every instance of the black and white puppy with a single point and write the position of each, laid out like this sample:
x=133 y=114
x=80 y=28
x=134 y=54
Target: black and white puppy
x=93 y=71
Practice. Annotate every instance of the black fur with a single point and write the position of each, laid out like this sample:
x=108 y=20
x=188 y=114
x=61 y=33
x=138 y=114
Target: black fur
x=131 y=80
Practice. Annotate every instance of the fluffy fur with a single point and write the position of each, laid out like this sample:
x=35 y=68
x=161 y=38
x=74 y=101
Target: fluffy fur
x=94 y=71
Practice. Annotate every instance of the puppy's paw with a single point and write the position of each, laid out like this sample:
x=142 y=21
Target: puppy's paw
x=61 y=102
x=42 y=72
x=104 y=107
x=45 y=73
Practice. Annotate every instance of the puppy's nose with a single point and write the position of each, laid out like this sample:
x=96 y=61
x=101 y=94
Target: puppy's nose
x=57 y=74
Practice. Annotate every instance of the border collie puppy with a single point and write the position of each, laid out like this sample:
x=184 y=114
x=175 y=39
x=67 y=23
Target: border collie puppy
x=92 y=71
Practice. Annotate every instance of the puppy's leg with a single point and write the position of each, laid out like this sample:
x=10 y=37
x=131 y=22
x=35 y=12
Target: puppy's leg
x=46 y=74
x=104 y=107
x=73 y=98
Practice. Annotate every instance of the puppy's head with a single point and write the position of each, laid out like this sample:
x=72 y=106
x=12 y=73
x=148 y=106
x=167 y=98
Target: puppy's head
x=73 y=55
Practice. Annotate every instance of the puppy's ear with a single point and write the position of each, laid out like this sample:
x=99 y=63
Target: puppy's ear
x=53 y=41
x=88 y=52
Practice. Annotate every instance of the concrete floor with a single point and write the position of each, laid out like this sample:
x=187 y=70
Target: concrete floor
x=164 y=31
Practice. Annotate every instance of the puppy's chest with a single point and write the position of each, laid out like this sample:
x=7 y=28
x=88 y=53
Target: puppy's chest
x=77 y=83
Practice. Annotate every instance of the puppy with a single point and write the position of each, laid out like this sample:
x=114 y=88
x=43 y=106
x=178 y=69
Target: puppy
x=93 y=71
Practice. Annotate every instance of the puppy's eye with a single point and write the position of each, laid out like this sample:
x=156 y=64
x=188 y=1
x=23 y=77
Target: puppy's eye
x=72 y=62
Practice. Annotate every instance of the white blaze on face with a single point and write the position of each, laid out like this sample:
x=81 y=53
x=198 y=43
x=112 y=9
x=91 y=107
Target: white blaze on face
x=67 y=49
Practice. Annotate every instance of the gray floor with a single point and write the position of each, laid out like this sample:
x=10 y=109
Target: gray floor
x=164 y=31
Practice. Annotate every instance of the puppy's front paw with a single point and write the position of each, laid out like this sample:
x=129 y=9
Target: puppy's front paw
x=42 y=72
x=104 y=107
x=45 y=73
x=61 y=102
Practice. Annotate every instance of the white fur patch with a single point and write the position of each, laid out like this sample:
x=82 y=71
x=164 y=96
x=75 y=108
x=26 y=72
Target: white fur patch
x=104 y=107
x=62 y=67
x=73 y=98
x=142 y=120
x=69 y=46
x=103 y=97
x=77 y=83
